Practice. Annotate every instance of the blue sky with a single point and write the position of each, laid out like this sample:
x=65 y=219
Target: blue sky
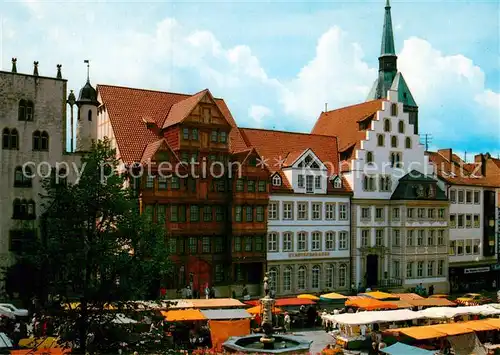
x=276 y=63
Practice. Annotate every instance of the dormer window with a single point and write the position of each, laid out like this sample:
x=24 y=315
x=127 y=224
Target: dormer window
x=337 y=183
x=317 y=182
x=309 y=184
x=309 y=162
x=276 y=180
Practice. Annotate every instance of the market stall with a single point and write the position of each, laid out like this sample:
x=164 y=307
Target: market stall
x=369 y=304
x=404 y=349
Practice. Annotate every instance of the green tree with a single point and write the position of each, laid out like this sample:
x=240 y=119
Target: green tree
x=95 y=246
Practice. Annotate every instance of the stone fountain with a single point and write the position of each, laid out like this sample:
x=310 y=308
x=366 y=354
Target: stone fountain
x=268 y=342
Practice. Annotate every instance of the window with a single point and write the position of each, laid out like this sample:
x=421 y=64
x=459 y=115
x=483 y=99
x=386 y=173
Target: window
x=205 y=245
x=394 y=110
x=21 y=112
x=440 y=269
x=288 y=241
x=408 y=143
x=394 y=141
x=460 y=196
x=365 y=237
x=317 y=182
x=420 y=269
x=430 y=268
x=240 y=185
x=330 y=211
x=162 y=183
x=369 y=157
x=272 y=212
x=6 y=138
x=272 y=242
x=368 y=183
x=452 y=249
x=302 y=210
x=453 y=196
x=172 y=245
x=343 y=245
x=23 y=209
x=379 y=213
x=380 y=140
x=316 y=271
x=337 y=183
x=259 y=243
x=385 y=183
x=431 y=236
x=395 y=213
x=302 y=241
x=365 y=213
x=175 y=183
x=468 y=196
x=410 y=213
x=251 y=186
x=223 y=137
x=301 y=278
x=185 y=133
x=248 y=243
x=477 y=197
x=237 y=244
x=316 y=241
x=161 y=216
x=194 y=134
x=387 y=125
x=213 y=136
x=468 y=246
x=249 y=214
x=219 y=273
x=330 y=241
x=273 y=279
x=343 y=211
x=287 y=279
x=477 y=243
x=316 y=210
x=252 y=161
x=309 y=183
x=330 y=275
x=401 y=127
x=207 y=214
x=14 y=140
x=453 y=220
x=460 y=221
x=396 y=239
x=409 y=238
x=441 y=213
x=476 y=221
x=288 y=210
x=420 y=237
x=276 y=180
x=259 y=211
x=193 y=245
x=219 y=245
x=300 y=181
x=421 y=213
x=150 y=182
x=409 y=270
x=430 y=213
x=23 y=178
x=194 y=213
x=343 y=275
x=238 y=213
x=379 y=237
x=468 y=221
x=460 y=247
x=440 y=240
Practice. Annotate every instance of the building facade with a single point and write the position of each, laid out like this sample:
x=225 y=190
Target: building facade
x=308 y=241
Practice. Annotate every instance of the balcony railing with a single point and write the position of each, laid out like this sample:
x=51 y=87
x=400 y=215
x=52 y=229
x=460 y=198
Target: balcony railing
x=390 y=283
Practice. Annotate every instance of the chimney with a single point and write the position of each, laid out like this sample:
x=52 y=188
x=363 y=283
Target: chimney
x=446 y=153
x=481 y=159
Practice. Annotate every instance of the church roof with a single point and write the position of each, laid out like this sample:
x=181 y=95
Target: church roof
x=88 y=95
x=387 y=47
x=404 y=94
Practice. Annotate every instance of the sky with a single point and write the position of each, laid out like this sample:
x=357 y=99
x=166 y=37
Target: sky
x=276 y=63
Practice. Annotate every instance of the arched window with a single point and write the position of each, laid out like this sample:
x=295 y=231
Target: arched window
x=369 y=157
x=5 y=138
x=301 y=278
x=401 y=127
x=394 y=141
x=408 y=143
x=14 y=139
x=18 y=177
x=343 y=275
x=30 y=210
x=37 y=140
x=287 y=279
x=398 y=159
x=380 y=140
x=276 y=180
x=89 y=115
x=337 y=183
x=21 y=112
x=365 y=183
x=393 y=159
x=273 y=279
x=30 y=110
x=315 y=277
x=44 y=145
x=394 y=110
x=330 y=276
x=387 y=125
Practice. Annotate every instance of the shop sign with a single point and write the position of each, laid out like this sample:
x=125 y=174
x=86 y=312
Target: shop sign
x=309 y=254
x=477 y=270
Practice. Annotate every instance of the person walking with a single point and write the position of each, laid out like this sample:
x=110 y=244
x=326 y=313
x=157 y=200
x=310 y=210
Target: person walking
x=288 y=322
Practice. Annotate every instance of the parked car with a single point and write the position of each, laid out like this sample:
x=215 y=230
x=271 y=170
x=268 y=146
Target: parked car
x=19 y=312
x=472 y=299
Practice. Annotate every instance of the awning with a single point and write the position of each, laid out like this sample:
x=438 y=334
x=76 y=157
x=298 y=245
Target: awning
x=308 y=297
x=284 y=302
x=258 y=310
x=408 y=296
x=452 y=328
x=370 y=304
x=402 y=304
x=332 y=296
x=481 y=325
x=378 y=295
x=181 y=315
x=220 y=314
x=431 y=302
x=373 y=317
x=204 y=303
x=419 y=333
x=403 y=349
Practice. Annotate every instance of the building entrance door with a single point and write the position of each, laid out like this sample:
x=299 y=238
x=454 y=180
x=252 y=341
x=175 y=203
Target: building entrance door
x=371 y=270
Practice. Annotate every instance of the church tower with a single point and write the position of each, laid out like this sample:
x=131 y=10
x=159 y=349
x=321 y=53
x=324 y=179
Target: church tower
x=389 y=78
x=86 y=129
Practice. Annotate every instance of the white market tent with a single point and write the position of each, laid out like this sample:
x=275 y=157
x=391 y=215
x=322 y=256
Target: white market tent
x=374 y=317
x=451 y=312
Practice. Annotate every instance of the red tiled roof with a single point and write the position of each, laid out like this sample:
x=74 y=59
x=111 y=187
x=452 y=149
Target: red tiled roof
x=344 y=123
x=151 y=149
x=130 y=108
x=180 y=110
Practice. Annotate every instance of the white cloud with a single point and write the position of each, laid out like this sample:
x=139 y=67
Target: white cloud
x=257 y=113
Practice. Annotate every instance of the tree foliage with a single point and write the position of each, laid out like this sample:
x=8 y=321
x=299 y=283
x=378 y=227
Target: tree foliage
x=95 y=247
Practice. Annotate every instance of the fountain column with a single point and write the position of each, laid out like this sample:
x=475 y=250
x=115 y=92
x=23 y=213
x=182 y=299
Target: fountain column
x=267 y=305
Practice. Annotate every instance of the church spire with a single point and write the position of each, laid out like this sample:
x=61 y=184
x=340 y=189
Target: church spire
x=387 y=47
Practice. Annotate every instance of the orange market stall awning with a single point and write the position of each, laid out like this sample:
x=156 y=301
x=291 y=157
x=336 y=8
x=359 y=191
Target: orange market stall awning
x=181 y=315
x=480 y=325
x=407 y=296
x=402 y=304
x=492 y=321
x=370 y=304
x=419 y=333
x=258 y=310
x=431 y=302
x=378 y=295
x=285 y=302
x=452 y=328
x=308 y=297
x=333 y=296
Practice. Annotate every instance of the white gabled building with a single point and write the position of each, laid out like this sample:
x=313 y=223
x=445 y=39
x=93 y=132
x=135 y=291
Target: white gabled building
x=308 y=247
